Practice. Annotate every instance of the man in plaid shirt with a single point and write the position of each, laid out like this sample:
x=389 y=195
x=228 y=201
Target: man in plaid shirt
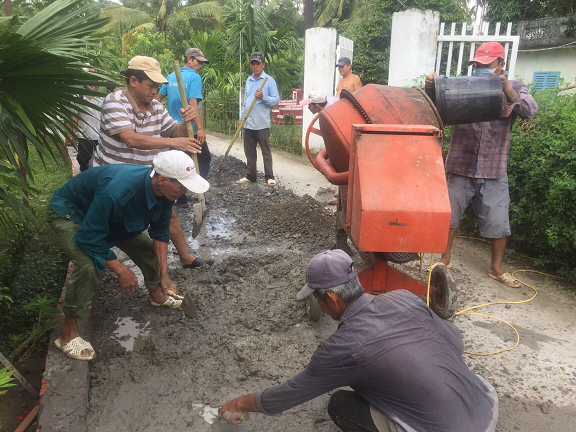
x=477 y=162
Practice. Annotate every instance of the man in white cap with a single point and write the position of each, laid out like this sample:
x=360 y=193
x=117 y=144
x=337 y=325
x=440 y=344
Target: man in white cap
x=135 y=127
x=111 y=206
x=316 y=102
x=403 y=363
x=477 y=162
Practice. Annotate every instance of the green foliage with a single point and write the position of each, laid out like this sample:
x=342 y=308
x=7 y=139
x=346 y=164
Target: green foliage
x=153 y=45
x=287 y=137
x=5 y=380
x=371 y=25
x=542 y=173
x=5 y=298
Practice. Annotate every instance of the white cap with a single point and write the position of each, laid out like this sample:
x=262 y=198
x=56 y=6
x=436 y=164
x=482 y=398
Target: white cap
x=178 y=165
x=314 y=97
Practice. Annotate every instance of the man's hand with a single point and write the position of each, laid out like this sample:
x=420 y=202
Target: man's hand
x=190 y=145
x=166 y=285
x=259 y=94
x=429 y=82
x=239 y=123
x=511 y=94
x=127 y=280
x=188 y=113
x=234 y=411
x=201 y=134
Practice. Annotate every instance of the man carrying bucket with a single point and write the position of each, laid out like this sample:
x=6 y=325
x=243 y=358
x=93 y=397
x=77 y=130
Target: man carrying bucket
x=477 y=162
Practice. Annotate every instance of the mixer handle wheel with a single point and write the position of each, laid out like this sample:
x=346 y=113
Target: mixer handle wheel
x=312 y=129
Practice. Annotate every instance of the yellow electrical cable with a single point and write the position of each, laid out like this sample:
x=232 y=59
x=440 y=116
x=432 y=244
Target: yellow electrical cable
x=465 y=311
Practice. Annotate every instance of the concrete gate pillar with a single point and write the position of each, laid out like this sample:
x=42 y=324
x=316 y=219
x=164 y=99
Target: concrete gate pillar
x=319 y=49
x=412 y=46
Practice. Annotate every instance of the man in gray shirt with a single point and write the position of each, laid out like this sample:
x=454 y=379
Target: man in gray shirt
x=402 y=361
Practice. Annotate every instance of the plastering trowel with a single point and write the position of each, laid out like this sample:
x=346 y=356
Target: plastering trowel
x=188 y=306
x=210 y=414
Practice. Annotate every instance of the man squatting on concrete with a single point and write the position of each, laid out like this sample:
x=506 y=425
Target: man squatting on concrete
x=111 y=206
x=402 y=361
x=135 y=127
x=192 y=80
x=477 y=162
x=257 y=126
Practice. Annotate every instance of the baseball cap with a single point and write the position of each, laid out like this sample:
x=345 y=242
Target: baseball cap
x=326 y=270
x=313 y=97
x=487 y=53
x=149 y=66
x=257 y=56
x=178 y=165
x=197 y=54
x=343 y=61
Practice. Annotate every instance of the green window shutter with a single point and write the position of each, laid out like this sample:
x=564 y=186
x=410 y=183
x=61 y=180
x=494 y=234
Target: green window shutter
x=545 y=80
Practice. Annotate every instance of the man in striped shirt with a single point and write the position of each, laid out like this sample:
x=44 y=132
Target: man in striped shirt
x=477 y=162
x=135 y=127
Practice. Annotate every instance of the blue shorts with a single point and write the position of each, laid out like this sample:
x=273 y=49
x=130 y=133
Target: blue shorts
x=490 y=200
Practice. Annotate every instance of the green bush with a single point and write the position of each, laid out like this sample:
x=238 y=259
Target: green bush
x=542 y=173
x=286 y=137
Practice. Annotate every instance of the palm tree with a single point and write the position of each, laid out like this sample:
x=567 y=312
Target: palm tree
x=326 y=10
x=41 y=73
x=140 y=16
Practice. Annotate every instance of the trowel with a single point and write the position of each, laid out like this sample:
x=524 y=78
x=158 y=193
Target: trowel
x=210 y=414
x=187 y=305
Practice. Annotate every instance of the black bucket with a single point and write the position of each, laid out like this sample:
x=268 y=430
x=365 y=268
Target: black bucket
x=468 y=99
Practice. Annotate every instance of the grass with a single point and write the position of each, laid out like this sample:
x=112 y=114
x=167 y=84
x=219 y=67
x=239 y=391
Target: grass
x=31 y=261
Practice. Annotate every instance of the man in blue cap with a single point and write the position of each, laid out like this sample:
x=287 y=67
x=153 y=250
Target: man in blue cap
x=403 y=363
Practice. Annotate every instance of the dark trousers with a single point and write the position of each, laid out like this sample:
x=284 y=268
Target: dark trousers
x=351 y=413
x=251 y=138
x=204 y=158
x=85 y=151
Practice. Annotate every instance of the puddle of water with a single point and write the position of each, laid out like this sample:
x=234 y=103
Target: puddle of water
x=130 y=334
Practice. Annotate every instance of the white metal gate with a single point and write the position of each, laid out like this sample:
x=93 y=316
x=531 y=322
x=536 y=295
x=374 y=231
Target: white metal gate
x=345 y=48
x=466 y=47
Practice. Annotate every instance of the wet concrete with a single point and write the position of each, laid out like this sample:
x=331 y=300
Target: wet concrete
x=156 y=366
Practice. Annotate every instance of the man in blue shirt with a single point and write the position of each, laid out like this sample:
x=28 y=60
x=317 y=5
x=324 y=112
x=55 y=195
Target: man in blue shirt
x=192 y=80
x=111 y=205
x=403 y=363
x=257 y=126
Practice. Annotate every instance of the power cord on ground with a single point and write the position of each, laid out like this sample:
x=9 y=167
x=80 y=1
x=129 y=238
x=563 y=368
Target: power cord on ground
x=466 y=311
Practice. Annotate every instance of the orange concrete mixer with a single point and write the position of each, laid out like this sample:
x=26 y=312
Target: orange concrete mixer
x=383 y=149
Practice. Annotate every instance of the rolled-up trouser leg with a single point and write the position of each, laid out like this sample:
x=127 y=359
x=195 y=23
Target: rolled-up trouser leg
x=85 y=279
x=140 y=249
x=351 y=413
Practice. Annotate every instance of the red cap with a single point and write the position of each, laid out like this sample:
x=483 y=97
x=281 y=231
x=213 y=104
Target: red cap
x=487 y=53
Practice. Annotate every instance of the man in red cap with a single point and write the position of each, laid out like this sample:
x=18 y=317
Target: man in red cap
x=403 y=363
x=477 y=162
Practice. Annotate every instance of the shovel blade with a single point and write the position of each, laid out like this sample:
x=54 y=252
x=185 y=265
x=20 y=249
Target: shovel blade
x=198 y=219
x=189 y=307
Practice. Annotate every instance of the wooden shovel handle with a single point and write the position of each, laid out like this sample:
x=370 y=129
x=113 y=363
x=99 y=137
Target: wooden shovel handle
x=184 y=100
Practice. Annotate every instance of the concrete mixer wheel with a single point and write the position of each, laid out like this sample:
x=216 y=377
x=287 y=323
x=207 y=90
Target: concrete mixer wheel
x=313 y=309
x=442 y=292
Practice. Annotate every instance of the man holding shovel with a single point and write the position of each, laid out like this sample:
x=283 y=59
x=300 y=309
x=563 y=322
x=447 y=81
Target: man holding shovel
x=112 y=205
x=135 y=127
x=257 y=126
x=192 y=80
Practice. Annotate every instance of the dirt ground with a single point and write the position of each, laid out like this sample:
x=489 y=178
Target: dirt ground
x=154 y=365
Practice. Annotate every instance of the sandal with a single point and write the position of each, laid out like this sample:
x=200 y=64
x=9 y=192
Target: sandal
x=243 y=180
x=507 y=279
x=74 y=348
x=175 y=295
x=271 y=182
x=171 y=302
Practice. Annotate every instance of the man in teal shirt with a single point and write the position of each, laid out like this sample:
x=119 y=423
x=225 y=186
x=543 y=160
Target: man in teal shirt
x=112 y=205
x=257 y=126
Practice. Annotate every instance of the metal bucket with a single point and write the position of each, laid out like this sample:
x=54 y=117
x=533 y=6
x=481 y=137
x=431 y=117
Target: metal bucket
x=462 y=100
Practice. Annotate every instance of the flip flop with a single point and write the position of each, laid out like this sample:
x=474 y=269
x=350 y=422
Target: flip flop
x=271 y=182
x=198 y=262
x=507 y=279
x=75 y=347
x=171 y=302
x=175 y=295
x=439 y=264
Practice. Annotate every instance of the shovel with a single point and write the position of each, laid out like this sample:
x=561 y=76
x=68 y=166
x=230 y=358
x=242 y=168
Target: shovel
x=200 y=207
x=238 y=129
